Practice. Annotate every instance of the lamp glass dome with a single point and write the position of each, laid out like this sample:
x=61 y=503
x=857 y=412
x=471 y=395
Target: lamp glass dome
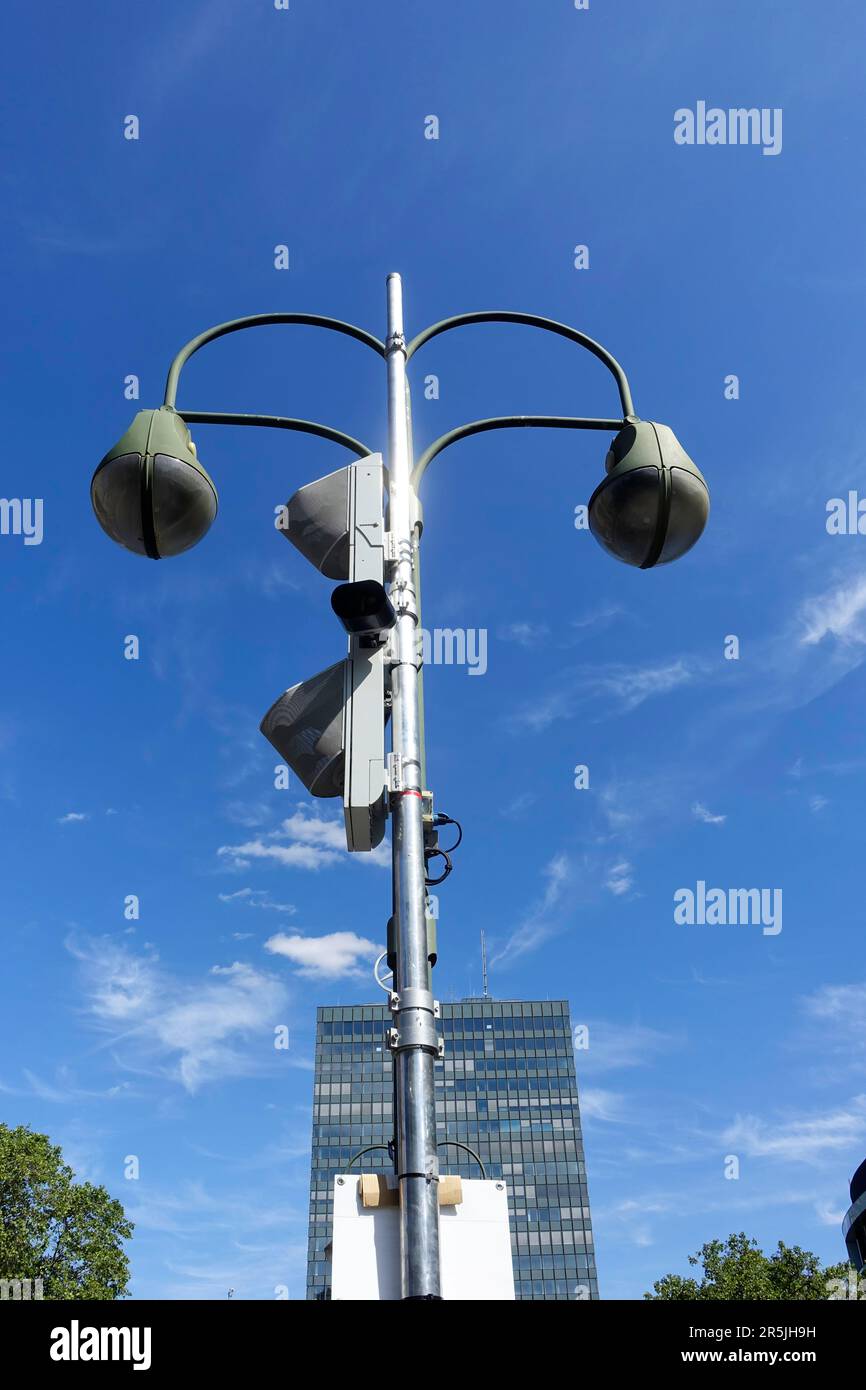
x=653 y=505
x=150 y=493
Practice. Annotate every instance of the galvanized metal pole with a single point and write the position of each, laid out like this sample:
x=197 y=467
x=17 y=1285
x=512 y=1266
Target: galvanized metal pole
x=414 y=1039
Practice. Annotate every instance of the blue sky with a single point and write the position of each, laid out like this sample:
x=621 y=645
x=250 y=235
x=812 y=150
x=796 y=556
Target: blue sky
x=305 y=127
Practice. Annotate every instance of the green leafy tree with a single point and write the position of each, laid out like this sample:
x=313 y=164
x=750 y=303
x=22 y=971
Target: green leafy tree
x=68 y=1234
x=738 y=1270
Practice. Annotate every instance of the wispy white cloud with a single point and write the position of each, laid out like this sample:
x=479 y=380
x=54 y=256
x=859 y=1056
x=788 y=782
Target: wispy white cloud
x=822 y=638
x=615 y=1046
x=294 y=856
x=336 y=956
x=525 y=635
x=190 y=1032
x=72 y=817
x=620 y=806
x=518 y=806
x=177 y=1210
x=844 y=1006
x=303 y=840
x=257 y=897
x=311 y=830
x=805 y=1138
x=596 y=617
x=828 y=1047
x=828 y=1213
x=275 y=579
x=606 y=1106
x=618 y=689
x=249 y=814
x=630 y=1216
x=544 y=710
x=620 y=878
x=696 y=1199
x=631 y=686
x=64 y=1089
x=248 y=1237
x=839 y=612
x=541 y=921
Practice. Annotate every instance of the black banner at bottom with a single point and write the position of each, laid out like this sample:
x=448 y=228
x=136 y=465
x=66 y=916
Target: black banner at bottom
x=154 y=1338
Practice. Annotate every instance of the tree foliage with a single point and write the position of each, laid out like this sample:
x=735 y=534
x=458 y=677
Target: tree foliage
x=738 y=1270
x=68 y=1234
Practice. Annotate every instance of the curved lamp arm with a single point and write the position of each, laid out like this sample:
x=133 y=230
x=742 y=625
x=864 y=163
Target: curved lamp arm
x=254 y=321
x=535 y=321
x=369 y=1149
x=501 y=422
x=220 y=417
x=453 y=1143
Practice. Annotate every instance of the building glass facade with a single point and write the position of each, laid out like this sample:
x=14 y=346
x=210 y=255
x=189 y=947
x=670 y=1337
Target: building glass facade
x=507 y=1088
x=854 y=1225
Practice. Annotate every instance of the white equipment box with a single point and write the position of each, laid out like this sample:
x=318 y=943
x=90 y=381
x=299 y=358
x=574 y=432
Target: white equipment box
x=475 y=1245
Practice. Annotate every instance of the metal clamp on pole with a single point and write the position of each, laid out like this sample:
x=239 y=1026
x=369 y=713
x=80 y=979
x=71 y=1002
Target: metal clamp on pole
x=403 y=599
x=415 y=1012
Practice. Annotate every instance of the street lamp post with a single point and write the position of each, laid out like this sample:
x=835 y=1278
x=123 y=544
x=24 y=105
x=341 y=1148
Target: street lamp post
x=151 y=494
x=414 y=1039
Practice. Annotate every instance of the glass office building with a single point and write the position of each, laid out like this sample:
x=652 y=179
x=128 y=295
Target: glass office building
x=507 y=1088
x=854 y=1225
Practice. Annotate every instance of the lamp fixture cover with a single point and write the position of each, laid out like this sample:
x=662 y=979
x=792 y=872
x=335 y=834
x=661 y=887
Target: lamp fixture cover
x=654 y=502
x=305 y=726
x=150 y=493
x=338 y=522
x=330 y=730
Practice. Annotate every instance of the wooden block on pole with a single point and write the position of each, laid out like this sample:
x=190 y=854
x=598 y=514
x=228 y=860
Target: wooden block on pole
x=381 y=1190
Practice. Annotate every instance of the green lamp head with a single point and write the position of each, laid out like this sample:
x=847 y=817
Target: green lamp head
x=654 y=502
x=150 y=493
